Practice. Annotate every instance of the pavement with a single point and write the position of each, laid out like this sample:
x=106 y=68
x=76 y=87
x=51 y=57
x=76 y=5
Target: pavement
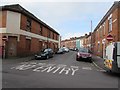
x=98 y=62
x=18 y=59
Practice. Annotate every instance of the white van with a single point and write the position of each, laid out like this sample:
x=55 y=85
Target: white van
x=112 y=57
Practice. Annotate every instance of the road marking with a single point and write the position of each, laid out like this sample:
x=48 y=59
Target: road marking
x=65 y=69
x=97 y=66
x=58 y=68
x=38 y=69
x=48 y=69
x=87 y=68
x=43 y=67
x=25 y=67
x=74 y=70
x=51 y=68
x=102 y=70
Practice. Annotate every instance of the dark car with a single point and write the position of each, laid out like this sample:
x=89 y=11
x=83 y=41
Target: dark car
x=84 y=53
x=60 y=51
x=75 y=49
x=45 y=54
x=65 y=49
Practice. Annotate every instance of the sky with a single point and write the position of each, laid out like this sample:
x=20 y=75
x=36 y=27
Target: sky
x=70 y=18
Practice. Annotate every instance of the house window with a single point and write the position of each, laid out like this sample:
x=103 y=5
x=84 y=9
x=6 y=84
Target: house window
x=41 y=30
x=98 y=46
x=28 y=27
x=56 y=37
x=53 y=35
x=110 y=24
x=100 y=31
x=48 y=33
x=104 y=29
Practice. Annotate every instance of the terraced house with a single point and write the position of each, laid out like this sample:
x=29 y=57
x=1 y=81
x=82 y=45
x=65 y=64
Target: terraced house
x=23 y=33
x=109 y=25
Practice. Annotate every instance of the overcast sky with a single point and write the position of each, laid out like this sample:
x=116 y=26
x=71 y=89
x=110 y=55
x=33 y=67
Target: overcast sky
x=70 y=18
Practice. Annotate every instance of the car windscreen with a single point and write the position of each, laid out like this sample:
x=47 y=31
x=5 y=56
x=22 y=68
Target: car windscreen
x=84 y=50
x=46 y=50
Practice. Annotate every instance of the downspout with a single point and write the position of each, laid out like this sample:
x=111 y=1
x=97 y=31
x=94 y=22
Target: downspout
x=118 y=22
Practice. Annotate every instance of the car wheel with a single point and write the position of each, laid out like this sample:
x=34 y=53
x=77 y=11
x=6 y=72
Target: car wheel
x=90 y=60
x=77 y=59
x=53 y=55
x=47 y=56
x=36 y=58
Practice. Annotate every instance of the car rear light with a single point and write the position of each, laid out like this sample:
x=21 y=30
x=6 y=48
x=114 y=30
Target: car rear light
x=90 y=55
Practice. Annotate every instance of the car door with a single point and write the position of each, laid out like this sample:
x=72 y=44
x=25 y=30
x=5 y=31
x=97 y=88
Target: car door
x=49 y=53
x=118 y=54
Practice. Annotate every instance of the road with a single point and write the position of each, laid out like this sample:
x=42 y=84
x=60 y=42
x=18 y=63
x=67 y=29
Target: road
x=61 y=71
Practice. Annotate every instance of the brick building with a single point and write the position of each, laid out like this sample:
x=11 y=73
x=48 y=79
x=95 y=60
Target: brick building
x=69 y=43
x=73 y=42
x=87 y=41
x=109 y=25
x=25 y=33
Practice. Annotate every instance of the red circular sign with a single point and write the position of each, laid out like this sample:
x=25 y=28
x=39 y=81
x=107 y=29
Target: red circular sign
x=4 y=38
x=109 y=37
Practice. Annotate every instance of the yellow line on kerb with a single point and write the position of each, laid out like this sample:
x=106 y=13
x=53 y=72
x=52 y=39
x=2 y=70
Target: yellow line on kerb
x=97 y=66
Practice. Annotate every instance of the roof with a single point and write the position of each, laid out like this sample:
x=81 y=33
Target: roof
x=20 y=9
x=114 y=6
x=73 y=38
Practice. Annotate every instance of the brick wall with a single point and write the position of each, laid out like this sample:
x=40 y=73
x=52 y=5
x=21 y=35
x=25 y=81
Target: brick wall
x=100 y=35
x=21 y=49
x=3 y=17
x=23 y=22
x=34 y=45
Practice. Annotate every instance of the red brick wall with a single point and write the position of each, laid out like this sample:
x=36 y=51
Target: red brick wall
x=115 y=25
x=23 y=22
x=35 y=27
x=34 y=45
x=119 y=22
x=21 y=50
x=3 y=19
x=11 y=46
x=114 y=33
x=1 y=39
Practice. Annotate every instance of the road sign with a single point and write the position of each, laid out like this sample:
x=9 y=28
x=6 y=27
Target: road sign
x=109 y=37
x=4 y=38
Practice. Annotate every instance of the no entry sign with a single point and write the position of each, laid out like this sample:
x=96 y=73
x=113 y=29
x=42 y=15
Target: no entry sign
x=4 y=38
x=109 y=37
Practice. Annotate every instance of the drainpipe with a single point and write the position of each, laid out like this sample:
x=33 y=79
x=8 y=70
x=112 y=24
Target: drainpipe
x=118 y=22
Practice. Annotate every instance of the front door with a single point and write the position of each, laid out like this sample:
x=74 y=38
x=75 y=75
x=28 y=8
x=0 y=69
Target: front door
x=12 y=46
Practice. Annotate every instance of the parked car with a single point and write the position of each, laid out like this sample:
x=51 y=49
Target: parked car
x=84 y=53
x=75 y=49
x=65 y=49
x=60 y=51
x=45 y=54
